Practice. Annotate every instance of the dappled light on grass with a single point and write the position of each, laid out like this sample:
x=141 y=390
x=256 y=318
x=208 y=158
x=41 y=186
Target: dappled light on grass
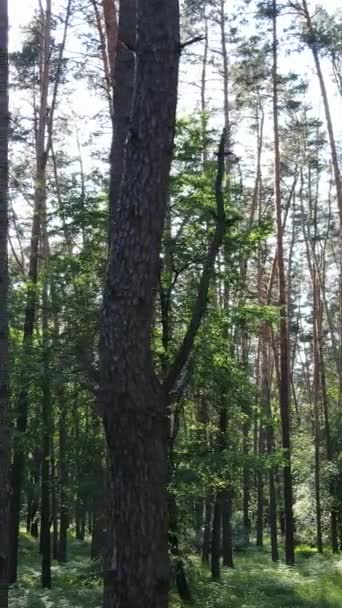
x=316 y=582
x=74 y=583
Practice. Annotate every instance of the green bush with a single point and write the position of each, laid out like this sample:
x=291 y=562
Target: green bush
x=305 y=551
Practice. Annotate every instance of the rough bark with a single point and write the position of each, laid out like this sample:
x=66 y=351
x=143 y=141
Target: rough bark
x=124 y=83
x=135 y=419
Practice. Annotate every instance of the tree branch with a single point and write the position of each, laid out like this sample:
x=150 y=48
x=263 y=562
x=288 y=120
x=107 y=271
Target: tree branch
x=200 y=304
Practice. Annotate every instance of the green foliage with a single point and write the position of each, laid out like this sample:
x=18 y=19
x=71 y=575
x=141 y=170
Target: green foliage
x=75 y=584
x=257 y=583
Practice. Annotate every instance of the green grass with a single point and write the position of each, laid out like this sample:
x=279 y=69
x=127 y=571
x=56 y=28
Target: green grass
x=73 y=583
x=315 y=582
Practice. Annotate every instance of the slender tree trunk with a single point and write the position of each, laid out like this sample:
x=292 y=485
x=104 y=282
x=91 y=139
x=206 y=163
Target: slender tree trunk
x=246 y=482
x=208 y=512
x=63 y=478
x=216 y=540
x=334 y=155
x=227 y=531
x=4 y=422
x=284 y=337
x=178 y=564
x=329 y=447
x=46 y=490
x=54 y=502
x=316 y=404
x=260 y=495
x=98 y=539
x=18 y=464
x=270 y=441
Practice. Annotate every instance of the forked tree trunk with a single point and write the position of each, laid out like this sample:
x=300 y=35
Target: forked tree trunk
x=4 y=422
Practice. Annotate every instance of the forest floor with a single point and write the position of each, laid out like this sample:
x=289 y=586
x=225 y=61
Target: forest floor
x=74 y=585
x=316 y=582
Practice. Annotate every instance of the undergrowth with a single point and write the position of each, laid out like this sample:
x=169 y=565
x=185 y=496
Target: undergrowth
x=76 y=584
x=315 y=582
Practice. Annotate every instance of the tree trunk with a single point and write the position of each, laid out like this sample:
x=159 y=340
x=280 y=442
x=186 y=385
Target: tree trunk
x=227 y=532
x=54 y=505
x=216 y=540
x=270 y=441
x=246 y=483
x=316 y=404
x=135 y=417
x=4 y=422
x=18 y=464
x=284 y=393
x=208 y=511
x=63 y=480
x=334 y=155
x=98 y=538
x=45 y=502
x=260 y=492
x=177 y=561
x=124 y=70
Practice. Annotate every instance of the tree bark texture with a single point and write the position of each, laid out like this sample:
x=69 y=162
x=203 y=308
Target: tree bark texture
x=135 y=417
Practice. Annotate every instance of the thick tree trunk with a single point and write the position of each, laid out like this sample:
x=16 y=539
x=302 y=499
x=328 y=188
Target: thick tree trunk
x=284 y=392
x=4 y=422
x=135 y=417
